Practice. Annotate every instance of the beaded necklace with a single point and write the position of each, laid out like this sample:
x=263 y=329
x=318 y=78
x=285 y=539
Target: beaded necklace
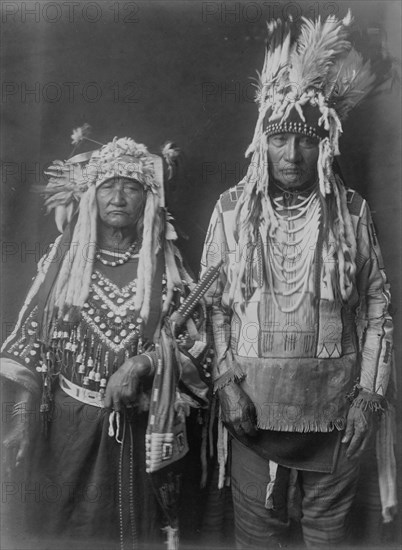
x=291 y=252
x=122 y=257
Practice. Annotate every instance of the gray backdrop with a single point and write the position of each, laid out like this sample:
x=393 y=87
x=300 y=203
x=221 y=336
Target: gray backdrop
x=175 y=70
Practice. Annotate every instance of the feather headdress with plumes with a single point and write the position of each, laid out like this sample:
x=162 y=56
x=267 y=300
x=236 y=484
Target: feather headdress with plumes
x=316 y=48
x=310 y=80
x=318 y=67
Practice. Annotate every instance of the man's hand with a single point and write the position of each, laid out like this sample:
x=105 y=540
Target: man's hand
x=22 y=430
x=238 y=411
x=360 y=426
x=122 y=388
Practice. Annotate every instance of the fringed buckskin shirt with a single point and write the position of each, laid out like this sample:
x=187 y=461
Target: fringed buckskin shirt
x=299 y=351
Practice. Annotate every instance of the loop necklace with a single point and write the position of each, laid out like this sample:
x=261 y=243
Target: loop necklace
x=122 y=257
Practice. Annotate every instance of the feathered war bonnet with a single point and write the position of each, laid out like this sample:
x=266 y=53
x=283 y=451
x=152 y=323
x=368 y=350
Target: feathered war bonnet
x=72 y=196
x=309 y=82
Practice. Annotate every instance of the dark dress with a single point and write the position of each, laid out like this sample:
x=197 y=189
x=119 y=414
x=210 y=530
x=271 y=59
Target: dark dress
x=93 y=488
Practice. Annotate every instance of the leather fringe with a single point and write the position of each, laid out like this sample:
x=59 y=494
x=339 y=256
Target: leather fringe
x=234 y=374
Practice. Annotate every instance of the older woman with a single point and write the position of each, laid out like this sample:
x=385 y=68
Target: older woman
x=87 y=345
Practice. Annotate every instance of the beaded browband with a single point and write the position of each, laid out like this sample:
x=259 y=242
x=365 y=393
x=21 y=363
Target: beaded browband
x=291 y=128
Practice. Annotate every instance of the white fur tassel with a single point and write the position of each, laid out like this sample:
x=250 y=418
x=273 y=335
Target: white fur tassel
x=172 y=537
x=222 y=448
x=147 y=260
x=323 y=159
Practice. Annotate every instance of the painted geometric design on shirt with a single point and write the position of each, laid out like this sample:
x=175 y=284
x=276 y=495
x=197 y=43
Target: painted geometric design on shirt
x=349 y=334
x=292 y=333
x=230 y=197
x=248 y=336
x=355 y=203
x=330 y=330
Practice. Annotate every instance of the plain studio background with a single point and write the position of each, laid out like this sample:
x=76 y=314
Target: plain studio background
x=173 y=70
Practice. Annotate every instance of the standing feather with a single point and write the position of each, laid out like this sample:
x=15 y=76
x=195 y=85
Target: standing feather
x=316 y=48
x=272 y=77
x=276 y=58
x=349 y=81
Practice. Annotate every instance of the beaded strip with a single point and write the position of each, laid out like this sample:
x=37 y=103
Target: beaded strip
x=29 y=327
x=296 y=276
x=123 y=258
x=291 y=128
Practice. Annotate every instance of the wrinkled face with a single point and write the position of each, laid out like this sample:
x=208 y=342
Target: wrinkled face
x=293 y=159
x=120 y=202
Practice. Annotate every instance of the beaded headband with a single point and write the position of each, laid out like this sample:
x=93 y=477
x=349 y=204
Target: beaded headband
x=308 y=125
x=291 y=128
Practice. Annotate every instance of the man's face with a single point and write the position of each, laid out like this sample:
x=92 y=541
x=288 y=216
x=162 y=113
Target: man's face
x=120 y=202
x=293 y=159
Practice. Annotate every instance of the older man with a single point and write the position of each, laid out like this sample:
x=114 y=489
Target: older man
x=90 y=351
x=300 y=316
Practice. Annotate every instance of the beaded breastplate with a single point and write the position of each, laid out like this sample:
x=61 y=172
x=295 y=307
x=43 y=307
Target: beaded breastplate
x=109 y=313
x=107 y=333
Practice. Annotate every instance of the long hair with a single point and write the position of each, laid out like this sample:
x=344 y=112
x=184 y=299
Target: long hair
x=254 y=210
x=72 y=283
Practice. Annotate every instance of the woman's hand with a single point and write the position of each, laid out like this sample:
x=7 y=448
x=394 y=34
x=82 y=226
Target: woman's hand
x=22 y=429
x=122 y=388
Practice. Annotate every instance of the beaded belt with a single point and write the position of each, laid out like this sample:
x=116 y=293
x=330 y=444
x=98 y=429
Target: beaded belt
x=84 y=395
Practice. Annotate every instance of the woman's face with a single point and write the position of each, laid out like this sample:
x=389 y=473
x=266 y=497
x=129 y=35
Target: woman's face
x=120 y=202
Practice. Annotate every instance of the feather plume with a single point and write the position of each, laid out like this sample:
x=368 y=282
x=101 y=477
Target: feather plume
x=317 y=46
x=276 y=58
x=80 y=133
x=272 y=79
x=350 y=80
x=171 y=154
x=348 y=19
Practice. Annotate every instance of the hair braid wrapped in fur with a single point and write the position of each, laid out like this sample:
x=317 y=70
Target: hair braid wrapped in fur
x=253 y=208
x=149 y=249
x=71 y=286
x=345 y=242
